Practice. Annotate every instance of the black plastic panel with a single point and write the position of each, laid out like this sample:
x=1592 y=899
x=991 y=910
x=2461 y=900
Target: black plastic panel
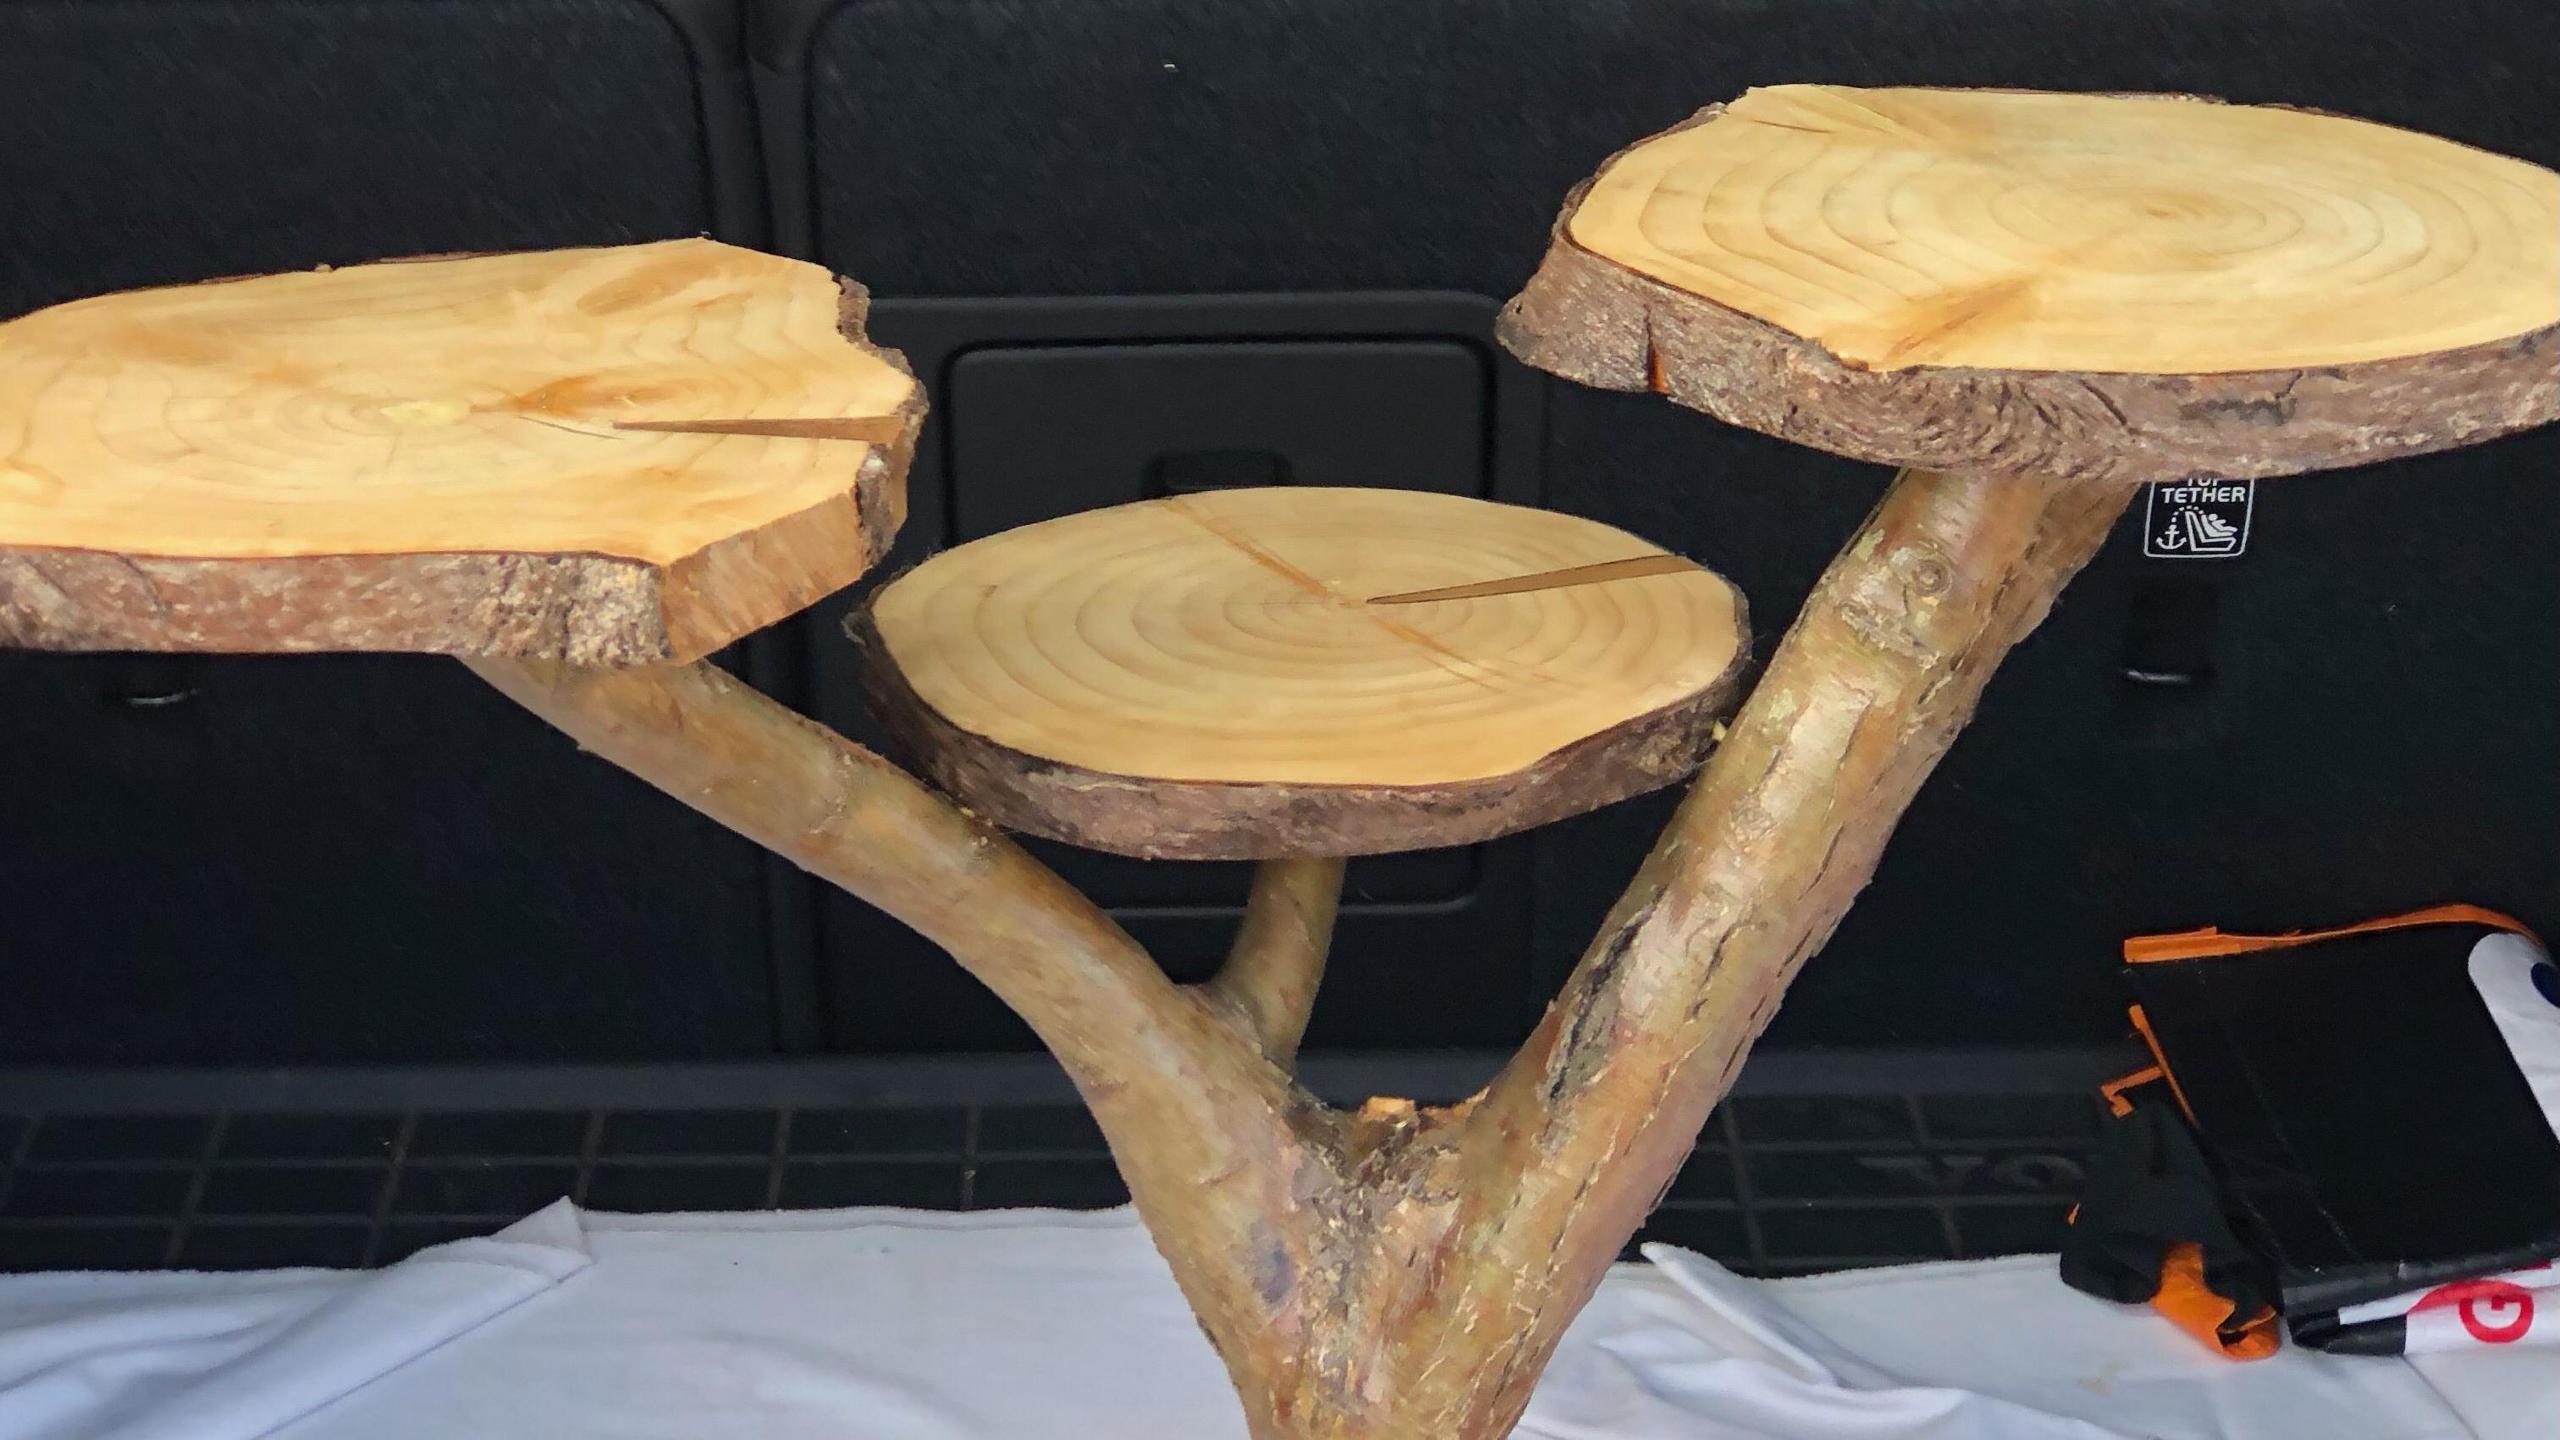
x=2377 y=728
x=1043 y=431
x=1857 y=1160
x=1006 y=147
x=268 y=860
x=1879 y=1184
x=263 y=862
x=2376 y=721
x=159 y=141
x=271 y=861
x=1051 y=407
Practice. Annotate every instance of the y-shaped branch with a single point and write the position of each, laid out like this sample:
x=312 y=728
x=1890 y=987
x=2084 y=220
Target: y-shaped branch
x=1487 y=1225
x=839 y=811
x=1777 y=835
x=1200 y=1120
x=1272 y=973
x=1402 y=1273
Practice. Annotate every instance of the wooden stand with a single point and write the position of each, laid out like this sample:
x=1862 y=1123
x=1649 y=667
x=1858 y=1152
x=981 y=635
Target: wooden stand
x=585 y=454
x=2028 y=301
x=1251 y=674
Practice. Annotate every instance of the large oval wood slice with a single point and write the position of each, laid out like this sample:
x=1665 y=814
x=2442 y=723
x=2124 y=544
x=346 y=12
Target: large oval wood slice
x=2088 y=286
x=1215 y=676
x=606 y=456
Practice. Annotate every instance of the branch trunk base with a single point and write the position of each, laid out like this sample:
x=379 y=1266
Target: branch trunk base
x=1399 y=1273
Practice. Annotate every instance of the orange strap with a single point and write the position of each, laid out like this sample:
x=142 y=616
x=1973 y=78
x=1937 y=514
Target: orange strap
x=2113 y=1090
x=2159 y=1061
x=2190 y=1304
x=2197 y=944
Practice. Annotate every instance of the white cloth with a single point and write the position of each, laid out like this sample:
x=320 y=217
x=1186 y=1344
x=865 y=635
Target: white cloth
x=1969 y=1350
x=190 y=1356
x=837 y=1325
x=1042 y=1325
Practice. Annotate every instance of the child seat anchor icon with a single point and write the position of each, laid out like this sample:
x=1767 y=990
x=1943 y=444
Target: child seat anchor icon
x=2197 y=519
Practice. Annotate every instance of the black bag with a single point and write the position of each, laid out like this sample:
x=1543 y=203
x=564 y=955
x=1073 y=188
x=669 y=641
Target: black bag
x=2363 y=1122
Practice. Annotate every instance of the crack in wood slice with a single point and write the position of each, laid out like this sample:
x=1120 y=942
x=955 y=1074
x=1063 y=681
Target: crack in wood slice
x=406 y=456
x=2090 y=287
x=1206 y=677
x=1635 y=568
x=877 y=429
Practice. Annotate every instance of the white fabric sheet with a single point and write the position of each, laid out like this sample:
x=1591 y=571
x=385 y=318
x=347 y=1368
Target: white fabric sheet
x=1974 y=1350
x=189 y=1356
x=1041 y=1325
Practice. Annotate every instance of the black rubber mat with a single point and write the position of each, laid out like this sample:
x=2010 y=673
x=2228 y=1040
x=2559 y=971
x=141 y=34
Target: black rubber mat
x=1779 y=1184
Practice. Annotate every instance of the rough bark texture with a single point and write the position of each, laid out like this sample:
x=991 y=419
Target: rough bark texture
x=582 y=607
x=1202 y=1123
x=1588 y=318
x=1475 y=1233
x=1399 y=1273
x=1160 y=819
x=1393 y=1272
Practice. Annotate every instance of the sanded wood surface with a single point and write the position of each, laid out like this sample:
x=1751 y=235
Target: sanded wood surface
x=2089 y=287
x=1402 y=1271
x=608 y=456
x=1211 y=675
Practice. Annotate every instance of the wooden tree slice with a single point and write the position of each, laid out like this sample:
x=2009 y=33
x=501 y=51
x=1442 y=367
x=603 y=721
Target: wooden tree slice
x=1208 y=677
x=607 y=456
x=2087 y=286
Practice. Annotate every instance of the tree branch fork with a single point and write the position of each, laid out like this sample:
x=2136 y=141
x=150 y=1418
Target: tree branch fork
x=1396 y=1271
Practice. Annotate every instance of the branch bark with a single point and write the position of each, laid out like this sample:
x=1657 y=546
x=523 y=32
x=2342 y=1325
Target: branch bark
x=1401 y=1272
x=1202 y=1123
x=1777 y=836
x=1272 y=973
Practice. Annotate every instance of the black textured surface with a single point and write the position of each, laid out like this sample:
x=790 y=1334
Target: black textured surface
x=370 y=859
x=1155 y=146
x=1775 y=1186
x=2383 y=703
x=317 y=859
x=268 y=862
x=1357 y=389
x=153 y=143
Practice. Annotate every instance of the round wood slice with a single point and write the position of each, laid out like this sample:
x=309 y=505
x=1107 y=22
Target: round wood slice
x=2091 y=287
x=604 y=456
x=1214 y=676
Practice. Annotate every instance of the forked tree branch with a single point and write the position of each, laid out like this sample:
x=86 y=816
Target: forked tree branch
x=1577 y=1138
x=1272 y=973
x=1395 y=1272
x=841 y=812
x=1402 y=1272
x=1202 y=1123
